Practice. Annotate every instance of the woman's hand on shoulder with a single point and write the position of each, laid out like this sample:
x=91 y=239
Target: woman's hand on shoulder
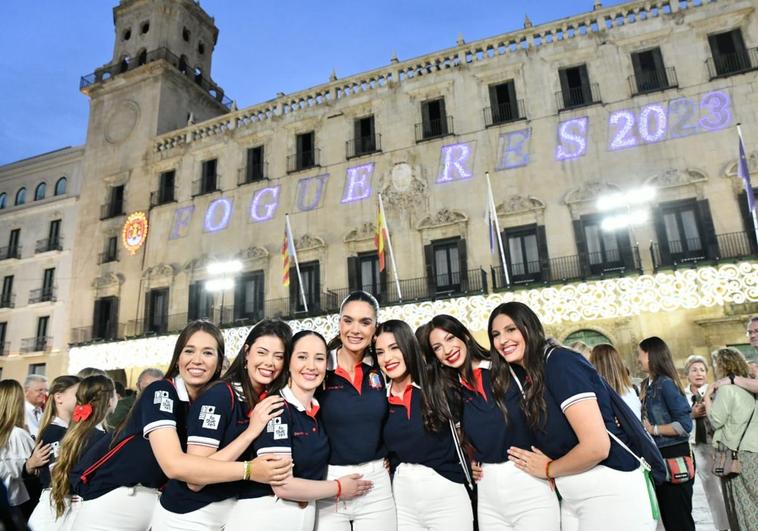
x=273 y=469
x=265 y=410
x=352 y=486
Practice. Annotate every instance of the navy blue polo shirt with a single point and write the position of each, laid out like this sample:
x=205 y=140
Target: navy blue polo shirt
x=52 y=435
x=353 y=413
x=214 y=420
x=408 y=441
x=483 y=423
x=299 y=432
x=569 y=379
x=130 y=460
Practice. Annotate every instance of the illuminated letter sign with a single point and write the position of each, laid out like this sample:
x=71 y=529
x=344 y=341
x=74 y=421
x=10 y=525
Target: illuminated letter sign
x=218 y=215
x=264 y=204
x=514 y=149
x=454 y=163
x=303 y=185
x=572 y=139
x=358 y=183
x=182 y=218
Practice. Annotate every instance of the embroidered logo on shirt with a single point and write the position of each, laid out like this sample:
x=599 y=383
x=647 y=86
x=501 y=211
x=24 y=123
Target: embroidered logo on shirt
x=211 y=421
x=206 y=410
x=271 y=426
x=55 y=449
x=375 y=381
x=280 y=431
x=159 y=396
x=167 y=405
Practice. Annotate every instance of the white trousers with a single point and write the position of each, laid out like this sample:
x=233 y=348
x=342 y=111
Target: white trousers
x=603 y=498
x=511 y=499
x=374 y=511
x=272 y=514
x=427 y=501
x=124 y=508
x=711 y=484
x=212 y=517
x=43 y=518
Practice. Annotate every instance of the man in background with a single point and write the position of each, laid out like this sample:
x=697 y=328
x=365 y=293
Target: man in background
x=127 y=400
x=35 y=392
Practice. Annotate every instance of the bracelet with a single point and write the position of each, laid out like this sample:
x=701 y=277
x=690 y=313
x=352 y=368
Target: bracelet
x=655 y=430
x=339 y=489
x=248 y=470
x=547 y=469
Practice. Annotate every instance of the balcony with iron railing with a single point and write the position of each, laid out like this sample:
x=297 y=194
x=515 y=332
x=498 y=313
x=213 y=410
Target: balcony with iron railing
x=580 y=96
x=363 y=145
x=252 y=173
x=206 y=185
x=111 y=209
x=10 y=253
x=46 y=294
x=653 y=81
x=729 y=64
x=49 y=244
x=437 y=128
x=162 y=196
x=303 y=160
x=689 y=252
x=36 y=344
x=8 y=300
x=503 y=113
x=106 y=257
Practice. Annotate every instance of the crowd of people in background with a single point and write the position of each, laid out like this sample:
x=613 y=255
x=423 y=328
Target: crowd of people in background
x=385 y=428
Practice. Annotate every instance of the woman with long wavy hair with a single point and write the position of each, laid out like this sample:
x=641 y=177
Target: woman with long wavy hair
x=52 y=428
x=608 y=363
x=493 y=420
x=568 y=408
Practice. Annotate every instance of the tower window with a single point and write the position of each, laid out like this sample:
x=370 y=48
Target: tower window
x=185 y=34
x=127 y=34
x=145 y=27
x=200 y=48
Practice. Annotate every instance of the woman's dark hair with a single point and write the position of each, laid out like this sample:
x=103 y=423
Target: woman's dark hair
x=357 y=296
x=237 y=372
x=446 y=378
x=535 y=407
x=280 y=383
x=434 y=408
x=200 y=325
x=659 y=360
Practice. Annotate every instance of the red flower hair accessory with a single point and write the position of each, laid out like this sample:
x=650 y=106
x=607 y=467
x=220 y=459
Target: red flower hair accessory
x=82 y=412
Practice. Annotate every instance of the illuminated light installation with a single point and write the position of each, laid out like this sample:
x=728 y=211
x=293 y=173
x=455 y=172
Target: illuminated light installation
x=621 y=221
x=182 y=218
x=455 y=163
x=218 y=215
x=638 y=196
x=514 y=149
x=303 y=186
x=134 y=233
x=572 y=138
x=656 y=133
x=598 y=299
x=264 y=204
x=219 y=284
x=358 y=183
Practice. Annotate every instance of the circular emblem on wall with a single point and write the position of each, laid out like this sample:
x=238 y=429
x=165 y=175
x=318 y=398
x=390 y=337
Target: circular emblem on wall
x=134 y=233
x=121 y=122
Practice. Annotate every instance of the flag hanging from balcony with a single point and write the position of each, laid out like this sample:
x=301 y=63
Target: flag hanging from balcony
x=380 y=238
x=491 y=227
x=288 y=254
x=744 y=174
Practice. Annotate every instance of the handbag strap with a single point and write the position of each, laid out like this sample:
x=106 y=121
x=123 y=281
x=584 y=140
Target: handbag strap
x=461 y=456
x=746 y=426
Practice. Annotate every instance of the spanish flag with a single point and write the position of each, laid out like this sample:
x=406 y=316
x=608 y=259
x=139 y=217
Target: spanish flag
x=286 y=258
x=380 y=238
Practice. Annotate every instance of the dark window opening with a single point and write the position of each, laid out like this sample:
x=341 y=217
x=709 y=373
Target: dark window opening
x=309 y=272
x=21 y=196
x=433 y=119
x=685 y=232
x=729 y=53
x=38 y=368
x=60 y=186
x=41 y=340
x=4 y=347
x=200 y=48
x=200 y=302
x=364 y=136
x=575 y=86
x=6 y=297
x=54 y=235
x=248 y=297
x=14 y=249
x=649 y=72
x=446 y=266
x=145 y=27
x=110 y=252
x=185 y=34
x=254 y=167
x=157 y=311
x=209 y=177
x=105 y=319
x=48 y=288
x=305 y=151
x=39 y=192
x=115 y=205
x=166 y=187
x=127 y=34
x=503 y=104
x=526 y=253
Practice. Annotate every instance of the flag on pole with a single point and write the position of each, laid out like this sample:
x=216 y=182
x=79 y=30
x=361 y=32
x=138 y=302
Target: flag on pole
x=288 y=252
x=744 y=174
x=380 y=238
x=491 y=228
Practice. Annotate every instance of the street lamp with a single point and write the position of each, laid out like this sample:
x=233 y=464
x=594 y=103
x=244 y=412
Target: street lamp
x=219 y=281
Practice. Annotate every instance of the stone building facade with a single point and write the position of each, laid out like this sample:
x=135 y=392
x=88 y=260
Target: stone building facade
x=646 y=93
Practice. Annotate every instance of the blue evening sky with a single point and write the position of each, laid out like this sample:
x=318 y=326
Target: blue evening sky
x=264 y=47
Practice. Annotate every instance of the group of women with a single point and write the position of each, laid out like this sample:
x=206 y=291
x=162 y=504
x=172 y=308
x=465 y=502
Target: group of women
x=301 y=434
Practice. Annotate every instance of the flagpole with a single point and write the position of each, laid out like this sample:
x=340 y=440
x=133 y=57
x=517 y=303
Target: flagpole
x=294 y=257
x=497 y=229
x=754 y=212
x=389 y=245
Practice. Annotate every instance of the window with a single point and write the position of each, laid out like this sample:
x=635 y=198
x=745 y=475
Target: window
x=39 y=192
x=4 y=347
x=41 y=338
x=729 y=54
x=305 y=151
x=157 y=311
x=364 y=137
x=526 y=252
x=575 y=87
x=200 y=48
x=21 y=196
x=685 y=232
x=166 y=187
x=309 y=271
x=48 y=289
x=6 y=298
x=14 y=249
x=363 y=274
x=503 y=105
x=248 y=297
x=433 y=120
x=38 y=368
x=54 y=235
x=60 y=186
x=105 y=318
x=115 y=205
x=254 y=167
x=127 y=34
x=145 y=27
x=3 y=200
x=445 y=265
x=200 y=302
x=208 y=177
x=602 y=251
x=110 y=251
x=649 y=73
x=185 y=34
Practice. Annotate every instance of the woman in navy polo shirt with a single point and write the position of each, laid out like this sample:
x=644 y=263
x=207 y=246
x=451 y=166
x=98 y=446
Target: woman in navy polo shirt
x=493 y=420
x=119 y=481
x=298 y=433
x=55 y=421
x=429 y=479
x=568 y=407
x=219 y=427
x=353 y=409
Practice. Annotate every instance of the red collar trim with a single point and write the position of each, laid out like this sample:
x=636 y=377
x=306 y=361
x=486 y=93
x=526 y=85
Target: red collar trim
x=478 y=386
x=312 y=411
x=404 y=400
x=357 y=381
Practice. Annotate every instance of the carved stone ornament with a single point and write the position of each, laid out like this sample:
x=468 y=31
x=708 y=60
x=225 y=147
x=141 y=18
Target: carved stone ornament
x=402 y=189
x=442 y=218
x=198 y=263
x=108 y=280
x=253 y=253
x=517 y=204
x=364 y=232
x=307 y=241
x=159 y=271
x=673 y=177
x=752 y=164
x=589 y=191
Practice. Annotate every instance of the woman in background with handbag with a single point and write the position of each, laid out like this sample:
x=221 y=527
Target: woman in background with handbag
x=666 y=416
x=732 y=414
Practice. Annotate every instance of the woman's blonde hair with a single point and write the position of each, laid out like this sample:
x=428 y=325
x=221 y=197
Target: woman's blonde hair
x=11 y=409
x=96 y=392
x=59 y=385
x=731 y=361
x=610 y=366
